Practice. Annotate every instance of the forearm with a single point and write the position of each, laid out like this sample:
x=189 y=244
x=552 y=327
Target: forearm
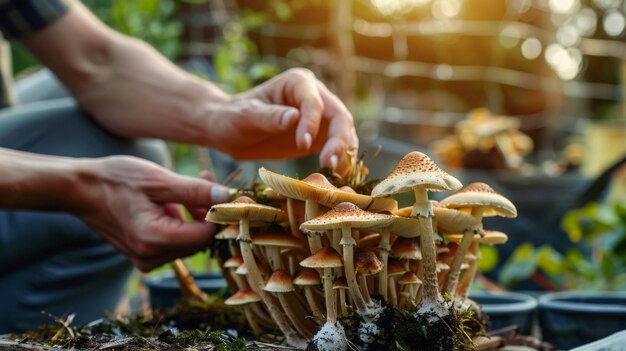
x=35 y=182
x=125 y=85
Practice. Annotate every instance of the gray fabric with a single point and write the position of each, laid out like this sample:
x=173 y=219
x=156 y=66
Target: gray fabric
x=52 y=261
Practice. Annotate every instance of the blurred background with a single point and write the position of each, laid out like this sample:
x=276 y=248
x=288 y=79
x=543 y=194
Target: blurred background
x=422 y=74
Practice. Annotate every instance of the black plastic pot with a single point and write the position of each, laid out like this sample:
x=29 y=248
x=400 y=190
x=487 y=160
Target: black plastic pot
x=508 y=308
x=570 y=319
x=165 y=293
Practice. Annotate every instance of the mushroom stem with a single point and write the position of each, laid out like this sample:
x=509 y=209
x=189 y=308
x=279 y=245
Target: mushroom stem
x=329 y=296
x=393 y=296
x=255 y=280
x=315 y=307
x=188 y=288
x=365 y=290
x=466 y=241
x=423 y=210
x=251 y=321
x=275 y=260
x=465 y=284
x=342 y=302
x=293 y=222
x=297 y=320
x=383 y=251
x=310 y=212
x=348 y=243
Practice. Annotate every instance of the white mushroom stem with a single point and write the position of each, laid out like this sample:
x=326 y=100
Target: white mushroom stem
x=348 y=243
x=466 y=283
x=466 y=241
x=342 y=302
x=329 y=296
x=383 y=251
x=273 y=253
x=251 y=320
x=365 y=290
x=311 y=209
x=315 y=307
x=256 y=284
x=423 y=211
x=293 y=222
x=297 y=320
x=335 y=239
x=393 y=297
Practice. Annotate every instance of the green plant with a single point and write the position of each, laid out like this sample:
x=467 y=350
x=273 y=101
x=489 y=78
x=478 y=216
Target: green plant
x=602 y=227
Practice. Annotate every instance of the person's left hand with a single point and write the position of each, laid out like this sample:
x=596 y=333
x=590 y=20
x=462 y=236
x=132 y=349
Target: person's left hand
x=291 y=115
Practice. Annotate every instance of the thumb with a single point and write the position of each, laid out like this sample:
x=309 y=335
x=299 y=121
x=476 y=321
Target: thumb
x=190 y=191
x=275 y=118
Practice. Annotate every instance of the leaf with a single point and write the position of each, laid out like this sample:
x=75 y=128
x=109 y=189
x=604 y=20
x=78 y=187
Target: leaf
x=549 y=260
x=488 y=258
x=608 y=266
x=521 y=265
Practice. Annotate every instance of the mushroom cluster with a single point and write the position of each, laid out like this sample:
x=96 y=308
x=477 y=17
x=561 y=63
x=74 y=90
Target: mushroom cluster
x=325 y=252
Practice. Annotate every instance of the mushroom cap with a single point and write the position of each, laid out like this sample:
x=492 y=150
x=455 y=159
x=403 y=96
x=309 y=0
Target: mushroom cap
x=347 y=213
x=326 y=257
x=307 y=276
x=394 y=268
x=243 y=269
x=233 y=262
x=316 y=187
x=366 y=262
x=279 y=282
x=415 y=170
x=491 y=237
x=481 y=195
x=454 y=221
x=276 y=239
x=406 y=248
x=245 y=208
x=370 y=240
x=442 y=267
x=230 y=232
x=409 y=278
x=272 y=194
x=244 y=296
x=340 y=283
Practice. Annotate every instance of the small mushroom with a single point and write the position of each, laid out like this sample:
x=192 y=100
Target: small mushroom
x=244 y=297
x=412 y=282
x=341 y=285
x=326 y=259
x=366 y=263
x=483 y=201
x=307 y=278
x=395 y=270
x=280 y=284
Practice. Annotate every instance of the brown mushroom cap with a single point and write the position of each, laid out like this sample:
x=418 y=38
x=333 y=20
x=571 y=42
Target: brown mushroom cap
x=409 y=278
x=347 y=213
x=233 y=262
x=340 y=283
x=406 y=248
x=326 y=257
x=279 y=282
x=276 y=239
x=415 y=169
x=230 y=232
x=366 y=262
x=481 y=195
x=317 y=188
x=244 y=296
x=243 y=270
x=394 y=269
x=245 y=208
x=307 y=276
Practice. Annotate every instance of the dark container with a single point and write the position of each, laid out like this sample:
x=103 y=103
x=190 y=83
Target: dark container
x=508 y=308
x=570 y=319
x=165 y=293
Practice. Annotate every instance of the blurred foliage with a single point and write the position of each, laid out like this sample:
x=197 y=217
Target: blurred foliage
x=603 y=228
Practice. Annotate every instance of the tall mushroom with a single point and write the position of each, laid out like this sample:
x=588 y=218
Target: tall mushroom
x=483 y=201
x=247 y=212
x=326 y=259
x=417 y=172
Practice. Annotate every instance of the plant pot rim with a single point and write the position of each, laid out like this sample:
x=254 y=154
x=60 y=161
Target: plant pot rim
x=522 y=303
x=167 y=281
x=559 y=301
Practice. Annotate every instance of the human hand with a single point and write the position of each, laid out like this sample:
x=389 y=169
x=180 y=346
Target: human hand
x=135 y=205
x=291 y=115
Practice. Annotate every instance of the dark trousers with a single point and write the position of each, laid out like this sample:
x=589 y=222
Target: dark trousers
x=52 y=261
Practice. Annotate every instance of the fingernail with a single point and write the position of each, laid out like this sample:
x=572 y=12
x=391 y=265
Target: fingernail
x=333 y=162
x=219 y=194
x=308 y=140
x=288 y=117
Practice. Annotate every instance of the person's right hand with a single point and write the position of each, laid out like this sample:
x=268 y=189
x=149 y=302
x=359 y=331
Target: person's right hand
x=133 y=204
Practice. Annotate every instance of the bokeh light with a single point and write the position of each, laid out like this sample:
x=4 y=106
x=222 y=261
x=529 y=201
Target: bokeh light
x=531 y=48
x=614 y=23
x=586 y=22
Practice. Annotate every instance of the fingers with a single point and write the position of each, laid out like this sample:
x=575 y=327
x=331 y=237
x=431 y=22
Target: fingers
x=193 y=192
x=301 y=85
x=268 y=118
